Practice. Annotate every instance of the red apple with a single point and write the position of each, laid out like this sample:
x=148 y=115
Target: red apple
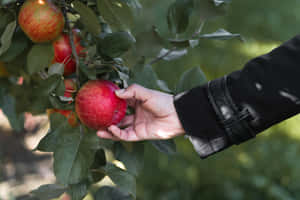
x=41 y=20
x=70 y=89
x=63 y=52
x=97 y=106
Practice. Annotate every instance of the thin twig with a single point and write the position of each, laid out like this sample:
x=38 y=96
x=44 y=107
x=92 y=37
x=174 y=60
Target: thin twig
x=71 y=37
x=199 y=29
x=74 y=53
x=162 y=56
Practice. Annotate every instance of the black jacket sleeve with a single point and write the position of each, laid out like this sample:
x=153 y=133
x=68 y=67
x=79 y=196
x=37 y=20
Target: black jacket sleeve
x=236 y=107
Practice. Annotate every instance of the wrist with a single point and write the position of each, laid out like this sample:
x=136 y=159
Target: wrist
x=178 y=130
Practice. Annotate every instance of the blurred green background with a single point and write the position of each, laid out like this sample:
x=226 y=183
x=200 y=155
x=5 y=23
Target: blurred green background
x=267 y=167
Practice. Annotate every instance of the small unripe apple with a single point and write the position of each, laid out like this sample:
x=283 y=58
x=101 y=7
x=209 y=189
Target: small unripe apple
x=97 y=105
x=70 y=89
x=41 y=20
x=63 y=52
x=69 y=114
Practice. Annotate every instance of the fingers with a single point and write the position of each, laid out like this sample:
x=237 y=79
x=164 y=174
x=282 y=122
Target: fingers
x=134 y=92
x=127 y=121
x=131 y=102
x=127 y=134
x=107 y=135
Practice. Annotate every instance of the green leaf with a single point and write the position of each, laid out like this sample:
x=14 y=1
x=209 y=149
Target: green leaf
x=169 y=55
x=48 y=192
x=192 y=78
x=87 y=17
x=184 y=43
x=165 y=146
x=111 y=193
x=123 y=179
x=39 y=57
x=57 y=103
x=144 y=75
x=115 y=44
x=8 y=105
x=47 y=86
x=117 y=13
x=7 y=36
x=133 y=160
x=124 y=77
x=35 y=98
x=19 y=43
x=56 y=68
x=6 y=17
x=17 y=66
x=50 y=142
x=28 y=197
x=220 y=2
x=60 y=90
x=74 y=154
x=221 y=34
x=39 y=98
x=205 y=9
x=90 y=73
x=78 y=191
x=5 y=2
x=149 y=43
x=99 y=161
x=97 y=175
x=163 y=86
x=134 y=4
x=178 y=15
x=106 y=144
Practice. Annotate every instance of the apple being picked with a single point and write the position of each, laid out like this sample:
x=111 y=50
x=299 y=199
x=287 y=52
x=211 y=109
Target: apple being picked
x=97 y=106
x=41 y=20
x=70 y=89
x=63 y=52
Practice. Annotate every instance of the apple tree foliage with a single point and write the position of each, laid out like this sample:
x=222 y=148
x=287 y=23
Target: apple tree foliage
x=119 y=48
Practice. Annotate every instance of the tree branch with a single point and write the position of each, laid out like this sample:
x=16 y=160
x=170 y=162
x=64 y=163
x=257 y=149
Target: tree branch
x=73 y=46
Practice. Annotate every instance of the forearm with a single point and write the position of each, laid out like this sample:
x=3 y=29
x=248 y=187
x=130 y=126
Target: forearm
x=264 y=92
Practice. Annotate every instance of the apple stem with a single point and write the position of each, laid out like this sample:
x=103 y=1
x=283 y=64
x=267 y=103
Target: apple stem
x=71 y=37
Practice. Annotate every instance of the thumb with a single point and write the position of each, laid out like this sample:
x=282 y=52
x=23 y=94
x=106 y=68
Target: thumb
x=134 y=91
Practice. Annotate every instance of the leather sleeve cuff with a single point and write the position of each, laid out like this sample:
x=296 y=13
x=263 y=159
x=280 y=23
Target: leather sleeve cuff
x=233 y=119
x=199 y=120
x=211 y=119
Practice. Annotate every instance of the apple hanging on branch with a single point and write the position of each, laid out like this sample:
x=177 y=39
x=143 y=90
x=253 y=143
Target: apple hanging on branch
x=41 y=20
x=63 y=52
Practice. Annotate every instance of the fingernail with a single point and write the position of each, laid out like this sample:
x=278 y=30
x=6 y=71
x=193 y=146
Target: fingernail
x=119 y=92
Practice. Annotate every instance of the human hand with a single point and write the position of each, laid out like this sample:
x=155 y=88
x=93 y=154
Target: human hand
x=155 y=117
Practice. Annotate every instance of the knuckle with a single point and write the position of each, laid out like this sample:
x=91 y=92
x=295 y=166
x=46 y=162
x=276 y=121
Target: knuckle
x=135 y=86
